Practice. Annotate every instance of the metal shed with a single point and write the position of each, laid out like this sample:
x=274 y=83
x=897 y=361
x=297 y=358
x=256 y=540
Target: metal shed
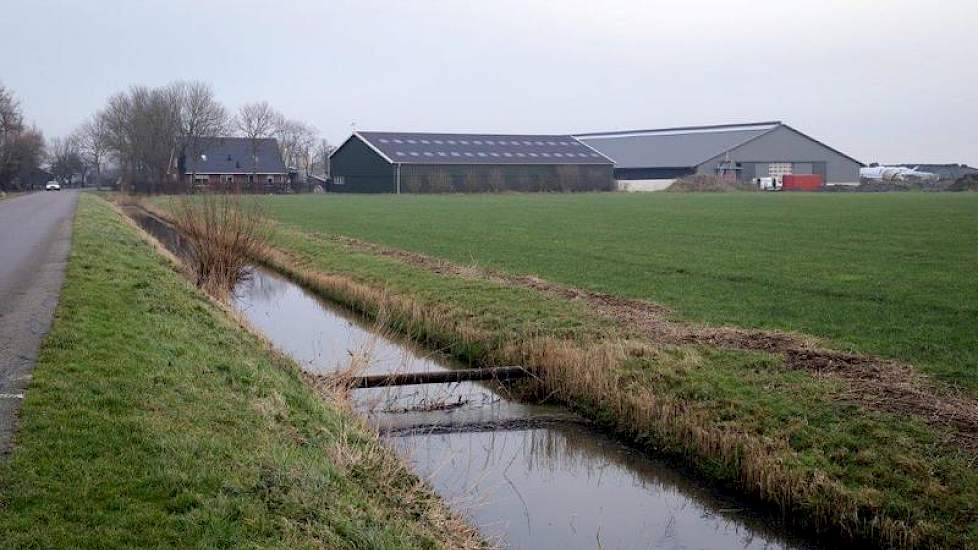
x=651 y=159
x=408 y=162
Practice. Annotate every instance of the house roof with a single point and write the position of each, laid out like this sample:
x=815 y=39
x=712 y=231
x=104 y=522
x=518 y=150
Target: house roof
x=674 y=147
x=234 y=155
x=431 y=148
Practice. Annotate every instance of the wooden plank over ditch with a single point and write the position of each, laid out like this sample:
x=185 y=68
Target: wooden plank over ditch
x=438 y=377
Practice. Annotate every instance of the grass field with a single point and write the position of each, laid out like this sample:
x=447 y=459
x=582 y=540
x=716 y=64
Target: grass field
x=892 y=274
x=153 y=420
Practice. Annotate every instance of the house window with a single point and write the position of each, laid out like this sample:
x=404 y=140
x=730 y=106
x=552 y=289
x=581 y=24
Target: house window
x=229 y=178
x=338 y=180
x=270 y=180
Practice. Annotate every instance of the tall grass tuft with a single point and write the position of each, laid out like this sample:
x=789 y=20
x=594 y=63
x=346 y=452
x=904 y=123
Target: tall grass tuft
x=222 y=234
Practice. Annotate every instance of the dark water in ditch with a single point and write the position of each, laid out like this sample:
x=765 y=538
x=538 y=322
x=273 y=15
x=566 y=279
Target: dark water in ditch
x=529 y=476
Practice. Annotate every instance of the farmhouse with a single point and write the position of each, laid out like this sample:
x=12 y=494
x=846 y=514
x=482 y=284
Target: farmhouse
x=647 y=160
x=397 y=162
x=235 y=163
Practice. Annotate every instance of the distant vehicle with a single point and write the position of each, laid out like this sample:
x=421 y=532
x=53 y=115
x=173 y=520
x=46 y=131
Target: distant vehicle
x=52 y=186
x=768 y=184
x=895 y=173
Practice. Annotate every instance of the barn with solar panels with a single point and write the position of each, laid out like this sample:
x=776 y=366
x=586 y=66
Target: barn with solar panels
x=398 y=162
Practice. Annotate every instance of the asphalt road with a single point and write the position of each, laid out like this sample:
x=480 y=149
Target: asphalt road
x=35 y=236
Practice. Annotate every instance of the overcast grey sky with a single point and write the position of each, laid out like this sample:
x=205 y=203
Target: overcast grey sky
x=890 y=80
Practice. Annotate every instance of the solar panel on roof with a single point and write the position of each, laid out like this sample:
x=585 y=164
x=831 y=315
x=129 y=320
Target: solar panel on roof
x=481 y=148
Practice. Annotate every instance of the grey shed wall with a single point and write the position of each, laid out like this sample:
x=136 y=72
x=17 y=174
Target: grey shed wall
x=362 y=169
x=786 y=145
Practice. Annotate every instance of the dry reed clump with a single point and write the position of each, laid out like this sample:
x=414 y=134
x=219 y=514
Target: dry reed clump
x=222 y=235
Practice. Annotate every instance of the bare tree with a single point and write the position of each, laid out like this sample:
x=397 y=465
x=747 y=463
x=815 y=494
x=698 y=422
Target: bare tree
x=320 y=165
x=296 y=141
x=21 y=148
x=201 y=116
x=257 y=121
x=143 y=129
x=65 y=159
x=93 y=144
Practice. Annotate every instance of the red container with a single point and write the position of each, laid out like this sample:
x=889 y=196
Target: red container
x=808 y=182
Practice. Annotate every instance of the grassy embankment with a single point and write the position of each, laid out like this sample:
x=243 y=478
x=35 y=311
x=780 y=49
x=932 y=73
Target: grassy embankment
x=154 y=420
x=888 y=274
x=802 y=440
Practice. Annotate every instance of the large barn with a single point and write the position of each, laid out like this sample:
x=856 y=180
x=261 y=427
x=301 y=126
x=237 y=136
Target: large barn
x=652 y=159
x=398 y=162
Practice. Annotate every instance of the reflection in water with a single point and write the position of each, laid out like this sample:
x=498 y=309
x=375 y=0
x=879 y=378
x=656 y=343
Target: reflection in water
x=532 y=476
x=568 y=487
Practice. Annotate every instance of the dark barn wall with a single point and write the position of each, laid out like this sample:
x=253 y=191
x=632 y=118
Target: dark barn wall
x=362 y=169
x=479 y=178
x=653 y=173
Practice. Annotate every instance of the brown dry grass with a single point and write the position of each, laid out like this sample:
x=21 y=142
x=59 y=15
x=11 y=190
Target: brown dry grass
x=701 y=183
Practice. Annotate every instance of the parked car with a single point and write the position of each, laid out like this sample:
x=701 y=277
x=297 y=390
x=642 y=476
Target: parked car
x=52 y=186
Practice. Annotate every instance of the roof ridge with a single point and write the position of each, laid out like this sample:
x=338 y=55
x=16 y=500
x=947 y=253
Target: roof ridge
x=461 y=134
x=682 y=128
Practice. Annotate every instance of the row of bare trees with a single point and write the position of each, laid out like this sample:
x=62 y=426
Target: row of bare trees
x=144 y=131
x=21 y=147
